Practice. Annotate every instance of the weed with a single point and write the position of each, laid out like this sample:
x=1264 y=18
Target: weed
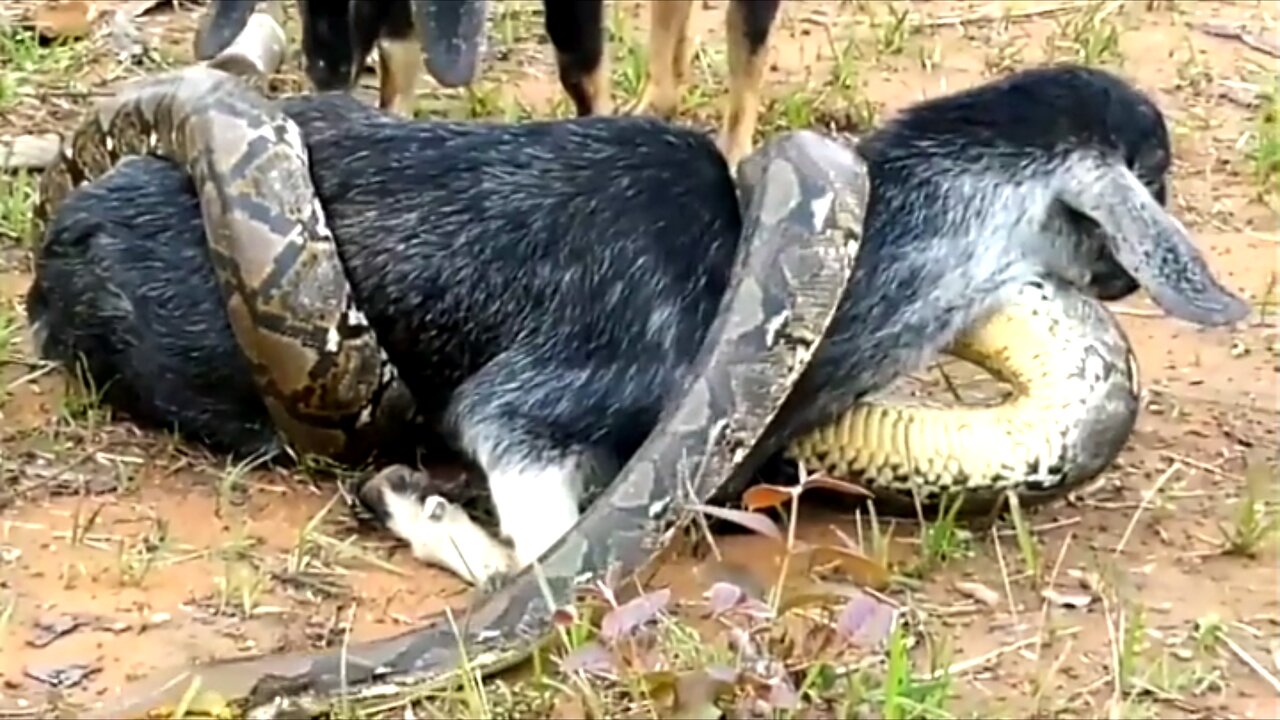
x=891 y=35
x=1255 y=524
x=1264 y=145
x=1089 y=36
x=23 y=56
x=17 y=197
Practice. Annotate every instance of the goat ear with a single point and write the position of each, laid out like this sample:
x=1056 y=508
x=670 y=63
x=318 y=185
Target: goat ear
x=1150 y=243
x=452 y=34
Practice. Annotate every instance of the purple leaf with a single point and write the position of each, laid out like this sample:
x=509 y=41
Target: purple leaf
x=626 y=618
x=592 y=658
x=723 y=596
x=865 y=621
x=752 y=521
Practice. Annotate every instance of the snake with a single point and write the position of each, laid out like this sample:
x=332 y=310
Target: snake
x=329 y=386
x=326 y=382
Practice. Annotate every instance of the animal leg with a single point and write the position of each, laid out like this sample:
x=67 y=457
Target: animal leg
x=439 y=532
x=749 y=23
x=398 y=64
x=399 y=53
x=521 y=420
x=669 y=51
x=576 y=29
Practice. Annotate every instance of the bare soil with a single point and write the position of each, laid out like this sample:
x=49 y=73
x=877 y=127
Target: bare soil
x=160 y=554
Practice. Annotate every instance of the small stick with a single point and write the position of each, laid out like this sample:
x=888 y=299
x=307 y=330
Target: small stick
x=1004 y=576
x=983 y=659
x=1253 y=664
x=1146 y=500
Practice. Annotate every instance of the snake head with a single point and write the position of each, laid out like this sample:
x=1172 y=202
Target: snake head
x=452 y=34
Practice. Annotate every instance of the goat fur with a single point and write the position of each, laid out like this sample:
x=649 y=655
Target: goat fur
x=544 y=286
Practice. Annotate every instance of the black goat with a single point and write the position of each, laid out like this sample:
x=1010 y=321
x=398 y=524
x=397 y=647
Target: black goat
x=543 y=286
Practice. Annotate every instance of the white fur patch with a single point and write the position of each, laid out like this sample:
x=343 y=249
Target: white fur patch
x=442 y=534
x=536 y=505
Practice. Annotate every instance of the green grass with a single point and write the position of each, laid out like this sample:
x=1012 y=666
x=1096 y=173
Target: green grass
x=17 y=199
x=1264 y=146
x=22 y=57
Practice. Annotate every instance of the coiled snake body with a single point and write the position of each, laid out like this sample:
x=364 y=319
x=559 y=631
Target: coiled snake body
x=329 y=387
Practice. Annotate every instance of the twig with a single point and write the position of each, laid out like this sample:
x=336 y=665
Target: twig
x=993 y=15
x=1199 y=465
x=1146 y=500
x=1253 y=664
x=1004 y=575
x=983 y=659
x=1240 y=35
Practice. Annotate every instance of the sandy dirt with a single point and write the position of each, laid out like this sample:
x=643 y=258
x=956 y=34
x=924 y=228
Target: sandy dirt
x=159 y=554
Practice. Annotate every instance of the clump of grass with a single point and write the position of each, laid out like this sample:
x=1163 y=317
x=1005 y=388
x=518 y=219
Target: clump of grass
x=17 y=198
x=1089 y=36
x=1264 y=145
x=1254 y=524
x=23 y=57
x=892 y=33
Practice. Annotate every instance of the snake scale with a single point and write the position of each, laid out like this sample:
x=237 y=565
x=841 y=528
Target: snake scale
x=329 y=387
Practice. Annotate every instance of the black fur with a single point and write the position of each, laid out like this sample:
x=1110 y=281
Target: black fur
x=543 y=286
x=338 y=36
x=576 y=31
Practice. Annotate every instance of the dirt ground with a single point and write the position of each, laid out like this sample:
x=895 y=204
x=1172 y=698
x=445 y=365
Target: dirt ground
x=123 y=551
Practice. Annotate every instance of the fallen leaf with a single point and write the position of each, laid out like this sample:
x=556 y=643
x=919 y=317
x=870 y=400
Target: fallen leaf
x=722 y=596
x=67 y=19
x=47 y=631
x=979 y=592
x=749 y=520
x=765 y=496
x=626 y=618
x=591 y=658
x=866 y=621
x=859 y=567
x=63 y=676
x=1088 y=580
x=1068 y=600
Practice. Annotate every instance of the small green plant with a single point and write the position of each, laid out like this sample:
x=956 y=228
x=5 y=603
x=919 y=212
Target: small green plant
x=892 y=33
x=1089 y=36
x=1264 y=146
x=17 y=197
x=1254 y=525
x=942 y=540
x=22 y=56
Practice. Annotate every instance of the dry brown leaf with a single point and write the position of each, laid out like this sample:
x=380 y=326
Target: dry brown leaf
x=72 y=19
x=749 y=520
x=979 y=592
x=765 y=496
x=861 y=568
x=1067 y=600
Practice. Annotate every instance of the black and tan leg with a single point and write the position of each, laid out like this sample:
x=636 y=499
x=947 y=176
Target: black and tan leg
x=399 y=60
x=576 y=29
x=669 y=55
x=748 y=26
